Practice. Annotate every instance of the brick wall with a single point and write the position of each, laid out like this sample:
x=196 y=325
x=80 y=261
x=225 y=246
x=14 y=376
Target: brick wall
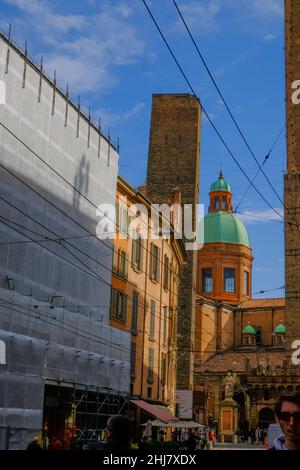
x=174 y=162
x=292 y=177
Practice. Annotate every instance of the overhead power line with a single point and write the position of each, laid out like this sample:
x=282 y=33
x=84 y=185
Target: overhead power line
x=260 y=166
x=204 y=110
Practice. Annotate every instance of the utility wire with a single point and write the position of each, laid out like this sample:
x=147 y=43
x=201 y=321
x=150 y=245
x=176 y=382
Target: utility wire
x=204 y=110
x=228 y=108
x=258 y=171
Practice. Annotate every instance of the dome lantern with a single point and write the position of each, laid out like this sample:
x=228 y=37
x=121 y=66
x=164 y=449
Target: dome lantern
x=220 y=195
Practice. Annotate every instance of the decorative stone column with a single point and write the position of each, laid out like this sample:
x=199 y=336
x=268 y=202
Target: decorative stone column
x=228 y=419
x=228 y=411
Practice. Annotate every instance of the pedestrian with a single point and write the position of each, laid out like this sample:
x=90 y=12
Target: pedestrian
x=191 y=442
x=119 y=434
x=287 y=411
x=211 y=438
x=34 y=444
x=55 y=444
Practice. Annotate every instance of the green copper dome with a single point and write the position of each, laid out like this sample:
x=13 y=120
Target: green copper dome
x=224 y=227
x=220 y=184
x=280 y=329
x=249 y=330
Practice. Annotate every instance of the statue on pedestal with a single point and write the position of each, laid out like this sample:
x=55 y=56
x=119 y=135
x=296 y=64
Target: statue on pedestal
x=229 y=384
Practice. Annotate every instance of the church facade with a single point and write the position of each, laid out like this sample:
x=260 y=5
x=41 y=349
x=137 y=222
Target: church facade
x=234 y=333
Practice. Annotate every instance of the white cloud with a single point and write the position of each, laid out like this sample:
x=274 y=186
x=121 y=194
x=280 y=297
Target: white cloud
x=264 y=216
x=200 y=15
x=269 y=37
x=109 y=119
x=87 y=58
x=269 y=7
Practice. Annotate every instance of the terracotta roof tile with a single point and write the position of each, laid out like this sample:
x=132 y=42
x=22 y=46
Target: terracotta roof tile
x=262 y=303
x=236 y=360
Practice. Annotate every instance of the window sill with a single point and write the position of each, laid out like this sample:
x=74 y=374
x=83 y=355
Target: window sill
x=150 y=381
x=136 y=269
x=120 y=320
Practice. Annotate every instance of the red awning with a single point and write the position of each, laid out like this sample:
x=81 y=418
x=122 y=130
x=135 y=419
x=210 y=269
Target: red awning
x=161 y=412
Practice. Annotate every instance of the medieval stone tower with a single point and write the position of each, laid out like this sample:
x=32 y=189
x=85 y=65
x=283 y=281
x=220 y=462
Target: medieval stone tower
x=292 y=177
x=174 y=161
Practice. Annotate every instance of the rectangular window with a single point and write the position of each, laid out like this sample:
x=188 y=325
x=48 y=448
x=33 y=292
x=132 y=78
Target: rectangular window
x=154 y=263
x=166 y=272
x=118 y=305
x=163 y=376
x=135 y=309
x=165 y=323
x=229 y=280
x=123 y=264
x=115 y=260
x=207 y=280
x=150 y=364
x=137 y=253
x=217 y=203
x=223 y=203
x=123 y=219
x=133 y=359
x=152 y=319
x=113 y=302
x=246 y=283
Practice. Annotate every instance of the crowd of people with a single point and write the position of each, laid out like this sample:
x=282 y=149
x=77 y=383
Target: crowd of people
x=287 y=410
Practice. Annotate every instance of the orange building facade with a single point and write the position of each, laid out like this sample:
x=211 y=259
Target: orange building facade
x=144 y=298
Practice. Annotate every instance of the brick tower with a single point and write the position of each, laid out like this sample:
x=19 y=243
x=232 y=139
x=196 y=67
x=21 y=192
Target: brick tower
x=292 y=177
x=174 y=161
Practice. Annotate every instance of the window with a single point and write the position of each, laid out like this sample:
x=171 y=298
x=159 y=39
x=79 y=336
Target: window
x=223 y=202
x=150 y=364
x=115 y=260
x=278 y=339
x=123 y=264
x=163 y=376
x=154 y=262
x=207 y=280
x=249 y=340
x=137 y=253
x=166 y=272
x=258 y=334
x=229 y=280
x=217 y=203
x=122 y=218
x=152 y=319
x=132 y=359
x=135 y=309
x=165 y=323
x=246 y=283
x=149 y=392
x=118 y=305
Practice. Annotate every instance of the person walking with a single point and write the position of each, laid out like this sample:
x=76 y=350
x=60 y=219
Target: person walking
x=34 y=444
x=287 y=411
x=119 y=434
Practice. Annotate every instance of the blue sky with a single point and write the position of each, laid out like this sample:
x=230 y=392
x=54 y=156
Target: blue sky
x=111 y=54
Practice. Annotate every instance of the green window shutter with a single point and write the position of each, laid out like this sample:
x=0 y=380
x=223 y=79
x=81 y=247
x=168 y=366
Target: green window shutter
x=141 y=253
x=158 y=264
x=113 y=302
x=135 y=306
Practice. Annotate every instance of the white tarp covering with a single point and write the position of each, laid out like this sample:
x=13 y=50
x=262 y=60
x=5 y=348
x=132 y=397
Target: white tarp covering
x=55 y=170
